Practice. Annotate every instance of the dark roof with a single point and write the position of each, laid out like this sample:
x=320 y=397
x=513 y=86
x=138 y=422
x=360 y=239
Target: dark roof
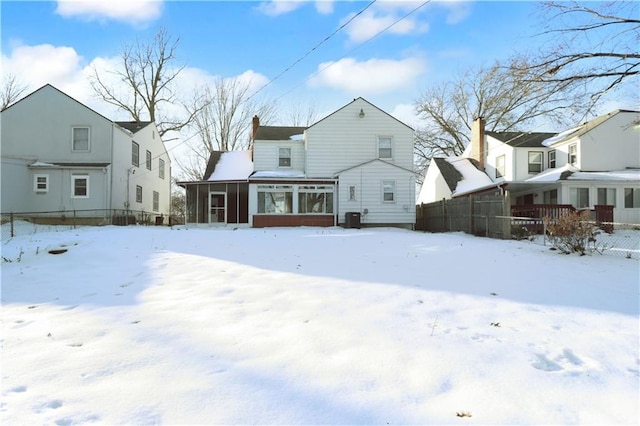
x=211 y=165
x=133 y=126
x=278 y=133
x=521 y=139
x=450 y=174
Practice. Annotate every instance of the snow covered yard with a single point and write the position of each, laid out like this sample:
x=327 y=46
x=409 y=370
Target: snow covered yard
x=145 y=325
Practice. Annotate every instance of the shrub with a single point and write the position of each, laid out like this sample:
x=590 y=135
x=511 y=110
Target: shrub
x=573 y=232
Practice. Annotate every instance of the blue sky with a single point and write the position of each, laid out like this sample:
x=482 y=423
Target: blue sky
x=57 y=42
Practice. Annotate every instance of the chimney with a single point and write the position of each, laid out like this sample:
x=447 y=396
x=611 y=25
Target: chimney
x=477 y=141
x=256 y=124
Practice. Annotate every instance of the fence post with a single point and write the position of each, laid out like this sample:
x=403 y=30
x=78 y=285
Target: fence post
x=11 y=220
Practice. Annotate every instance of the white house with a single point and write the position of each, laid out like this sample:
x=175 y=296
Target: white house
x=61 y=158
x=594 y=164
x=354 y=166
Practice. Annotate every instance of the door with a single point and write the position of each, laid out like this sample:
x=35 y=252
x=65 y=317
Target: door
x=217 y=210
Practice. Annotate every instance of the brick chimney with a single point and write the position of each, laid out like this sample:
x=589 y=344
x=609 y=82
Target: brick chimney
x=478 y=152
x=256 y=124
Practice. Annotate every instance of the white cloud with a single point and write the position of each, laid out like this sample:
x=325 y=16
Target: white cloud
x=279 y=7
x=370 y=23
x=458 y=11
x=372 y=76
x=324 y=7
x=136 y=12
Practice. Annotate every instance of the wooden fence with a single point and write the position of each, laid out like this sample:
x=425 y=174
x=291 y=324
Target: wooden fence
x=484 y=215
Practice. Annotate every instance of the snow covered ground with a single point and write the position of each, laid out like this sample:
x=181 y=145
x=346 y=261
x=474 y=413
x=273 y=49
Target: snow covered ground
x=151 y=325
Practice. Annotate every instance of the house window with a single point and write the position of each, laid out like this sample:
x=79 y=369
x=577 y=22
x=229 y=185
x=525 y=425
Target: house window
x=573 y=154
x=388 y=191
x=500 y=166
x=138 y=194
x=385 y=150
x=41 y=183
x=315 y=199
x=275 y=199
x=579 y=197
x=161 y=168
x=80 y=186
x=535 y=162
x=135 y=154
x=550 y=197
x=352 y=193
x=552 y=159
x=148 y=160
x=156 y=201
x=631 y=198
x=607 y=197
x=80 y=137
x=284 y=157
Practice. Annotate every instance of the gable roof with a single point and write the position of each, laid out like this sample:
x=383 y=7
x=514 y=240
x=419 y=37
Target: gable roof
x=277 y=133
x=228 y=166
x=60 y=92
x=133 y=126
x=372 y=161
x=369 y=103
x=521 y=139
x=584 y=127
x=449 y=173
x=472 y=178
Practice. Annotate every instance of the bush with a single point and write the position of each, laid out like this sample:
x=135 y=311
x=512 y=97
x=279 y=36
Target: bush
x=573 y=232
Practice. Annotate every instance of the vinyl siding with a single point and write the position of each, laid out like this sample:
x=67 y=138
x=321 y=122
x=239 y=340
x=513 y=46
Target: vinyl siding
x=265 y=155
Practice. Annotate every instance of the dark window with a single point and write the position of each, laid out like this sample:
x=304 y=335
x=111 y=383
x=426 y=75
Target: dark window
x=138 y=194
x=135 y=154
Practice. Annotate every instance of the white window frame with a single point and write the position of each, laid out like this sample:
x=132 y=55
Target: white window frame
x=572 y=154
x=550 y=196
x=36 y=183
x=631 y=198
x=327 y=190
x=608 y=195
x=73 y=138
x=501 y=169
x=536 y=164
x=135 y=153
x=286 y=191
x=160 y=168
x=576 y=200
x=156 y=201
x=384 y=188
x=138 y=193
x=384 y=140
x=148 y=159
x=286 y=159
x=74 y=178
x=352 y=193
x=551 y=159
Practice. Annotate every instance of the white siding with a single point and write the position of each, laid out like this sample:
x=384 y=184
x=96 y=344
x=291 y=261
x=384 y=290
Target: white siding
x=344 y=140
x=368 y=180
x=434 y=187
x=265 y=155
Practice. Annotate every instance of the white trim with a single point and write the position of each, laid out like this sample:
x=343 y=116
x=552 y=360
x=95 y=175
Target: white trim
x=73 y=128
x=35 y=182
x=390 y=139
x=394 y=193
x=73 y=185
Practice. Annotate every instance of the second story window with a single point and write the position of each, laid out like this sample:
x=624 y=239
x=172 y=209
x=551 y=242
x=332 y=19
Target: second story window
x=552 y=159
x=500 y=165
x=80 y=140
x=573 y=154
x=148 y=160
x=535 y=162
x=385 y=150
x=135 y=154
x=284 y=157
x=161 y=168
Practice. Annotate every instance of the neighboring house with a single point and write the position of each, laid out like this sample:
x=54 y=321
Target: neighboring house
x=596 y=163
x=356 y=162
x=62 y=157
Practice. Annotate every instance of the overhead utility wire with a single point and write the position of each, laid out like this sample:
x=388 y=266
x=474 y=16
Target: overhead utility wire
x=327 y=38
x=355 y=48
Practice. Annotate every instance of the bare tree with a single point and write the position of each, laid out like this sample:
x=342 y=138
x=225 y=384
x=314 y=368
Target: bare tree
x=12 y=89
x=223 y=124
x=300 y=114
x=595 y=43
x=144 y=84
x=500 y=94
